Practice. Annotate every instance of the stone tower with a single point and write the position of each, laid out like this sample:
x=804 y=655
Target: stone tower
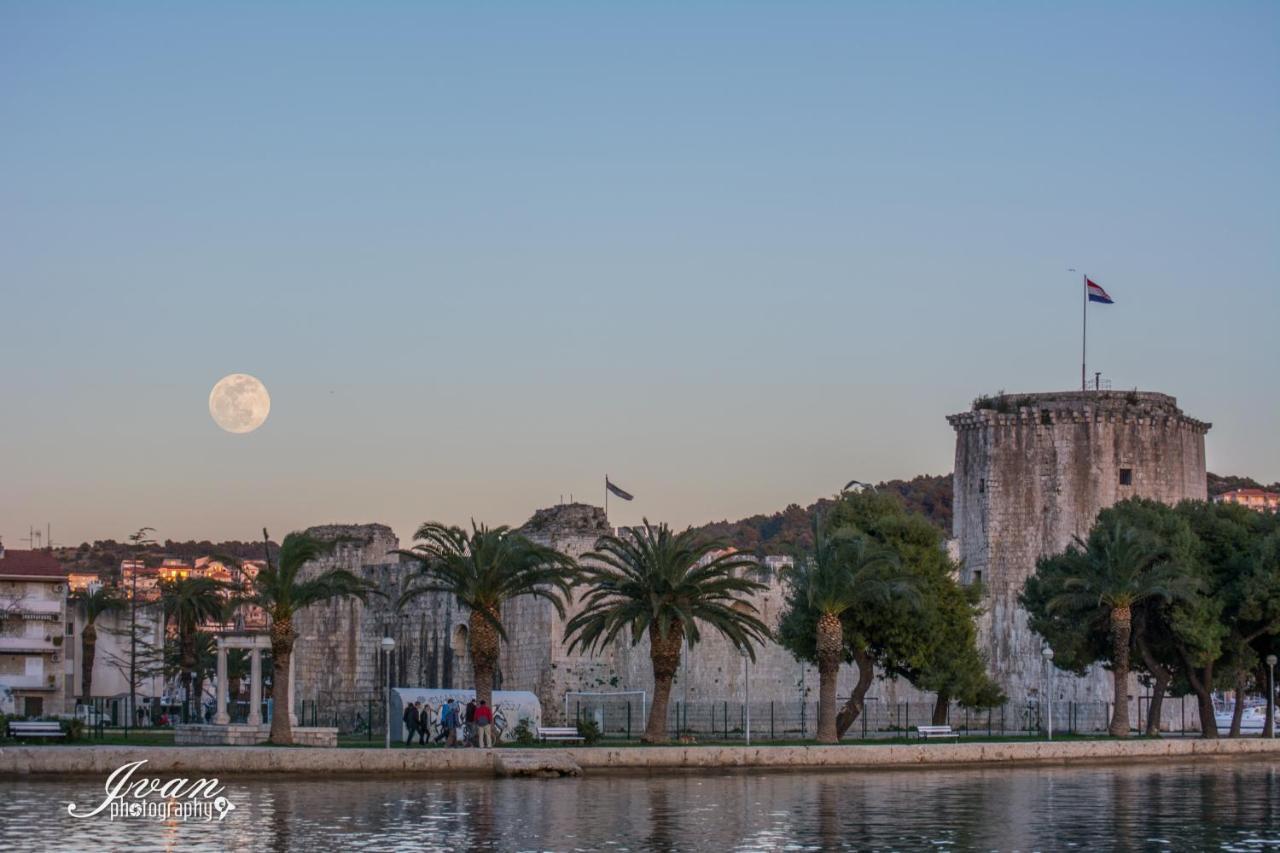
x=1032 y=472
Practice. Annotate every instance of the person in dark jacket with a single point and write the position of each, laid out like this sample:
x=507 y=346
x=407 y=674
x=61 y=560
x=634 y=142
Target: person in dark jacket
x=471 y=722
x=411 y=716
x=424 y=726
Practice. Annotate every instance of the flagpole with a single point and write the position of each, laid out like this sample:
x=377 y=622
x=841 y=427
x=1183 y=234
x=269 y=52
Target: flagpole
x=606 y=497
x=1084 y=329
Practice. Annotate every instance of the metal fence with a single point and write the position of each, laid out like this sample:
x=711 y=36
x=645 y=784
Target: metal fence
x=726 y=720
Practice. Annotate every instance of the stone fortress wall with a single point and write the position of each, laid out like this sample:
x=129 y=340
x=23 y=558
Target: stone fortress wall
x=1026 y=481
x=1031 y=474
x=338 y=657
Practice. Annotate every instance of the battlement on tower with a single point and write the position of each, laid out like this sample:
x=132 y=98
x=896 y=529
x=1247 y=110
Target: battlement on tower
x=1048 y=408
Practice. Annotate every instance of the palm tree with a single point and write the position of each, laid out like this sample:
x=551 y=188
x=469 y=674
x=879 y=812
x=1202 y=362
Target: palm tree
x=93 y=601
x=846 y=570
x=1119 y=568
x=188 y=603
x=280 y=592
x=484 y=569
x=665 y=585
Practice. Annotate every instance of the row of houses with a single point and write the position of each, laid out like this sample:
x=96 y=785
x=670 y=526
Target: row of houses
x=42 y=630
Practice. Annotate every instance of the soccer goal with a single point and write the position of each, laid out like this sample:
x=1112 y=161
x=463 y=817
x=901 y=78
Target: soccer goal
x=617 y=712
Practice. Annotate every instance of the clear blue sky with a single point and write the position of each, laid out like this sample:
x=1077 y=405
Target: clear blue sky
x=733 y=254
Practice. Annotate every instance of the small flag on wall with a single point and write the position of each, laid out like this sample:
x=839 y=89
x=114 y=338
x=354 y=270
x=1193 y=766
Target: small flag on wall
x=626 y=496
x=1096 y=293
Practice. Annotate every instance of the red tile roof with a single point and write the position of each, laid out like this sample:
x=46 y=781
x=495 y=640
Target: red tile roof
x=36 y=564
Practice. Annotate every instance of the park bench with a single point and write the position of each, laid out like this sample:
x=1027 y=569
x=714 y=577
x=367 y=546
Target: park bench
x=24 y=729
x=926 y=732
x=564 y=733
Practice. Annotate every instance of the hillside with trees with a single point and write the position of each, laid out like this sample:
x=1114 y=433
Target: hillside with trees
x=791 y=529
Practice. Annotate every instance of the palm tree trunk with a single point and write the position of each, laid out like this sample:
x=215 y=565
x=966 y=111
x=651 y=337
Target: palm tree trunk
x=664 y=654
x=830 y=642
x=1121 y=630
x=281 y=651
x=853 y=708
x=484 y=642
x=88 y=650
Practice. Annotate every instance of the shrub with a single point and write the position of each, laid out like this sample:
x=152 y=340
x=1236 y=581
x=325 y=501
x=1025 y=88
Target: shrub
x=588 y=731
x=523 y=733
x=74 y=728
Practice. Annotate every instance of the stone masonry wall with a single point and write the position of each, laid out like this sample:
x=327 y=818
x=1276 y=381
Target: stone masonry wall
x=1030 y=478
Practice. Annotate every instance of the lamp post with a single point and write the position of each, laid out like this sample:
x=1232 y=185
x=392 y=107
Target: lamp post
x=1048 y=661
x=746 y=686
x=388 y=644
x=1271 y=694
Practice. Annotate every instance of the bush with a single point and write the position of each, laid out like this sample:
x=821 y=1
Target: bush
x=523 y=733
x=588 y=731
x=74 y=728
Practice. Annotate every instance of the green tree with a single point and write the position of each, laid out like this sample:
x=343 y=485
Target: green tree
x=282 y=591
x=664 y=586
x=188 y=603
x=845 y=571
x=92 y=602
x=918 y=632
x=1118 y=568
x=483 y=570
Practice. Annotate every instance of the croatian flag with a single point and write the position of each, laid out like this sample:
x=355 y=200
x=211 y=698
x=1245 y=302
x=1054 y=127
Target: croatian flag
x=1096 y=293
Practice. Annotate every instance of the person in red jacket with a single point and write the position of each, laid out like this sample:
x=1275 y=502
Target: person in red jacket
x=484 y=725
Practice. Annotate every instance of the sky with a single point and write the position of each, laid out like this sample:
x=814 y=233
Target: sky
x=732 y=255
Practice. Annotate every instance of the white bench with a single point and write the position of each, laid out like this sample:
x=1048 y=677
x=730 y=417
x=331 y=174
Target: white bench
x=564 y=733
x=926 y=732
x=22 y=729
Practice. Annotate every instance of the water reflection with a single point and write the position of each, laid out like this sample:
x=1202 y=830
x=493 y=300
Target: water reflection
x=1223 y=804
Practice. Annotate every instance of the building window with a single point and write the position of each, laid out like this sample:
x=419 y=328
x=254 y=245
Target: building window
x=71 y=629
x=1126 y=476
x=982 y=485
x=977 y=577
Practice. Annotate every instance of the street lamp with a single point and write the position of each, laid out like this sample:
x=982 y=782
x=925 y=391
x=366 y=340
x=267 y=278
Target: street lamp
x=1271 y=693
x=388 y=644
x=746 y=685
x=1048 y=660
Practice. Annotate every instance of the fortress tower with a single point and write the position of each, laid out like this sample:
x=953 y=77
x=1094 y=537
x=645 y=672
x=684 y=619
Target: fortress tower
x=1032 y=472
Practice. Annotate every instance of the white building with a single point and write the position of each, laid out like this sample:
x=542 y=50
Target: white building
x=34 y=673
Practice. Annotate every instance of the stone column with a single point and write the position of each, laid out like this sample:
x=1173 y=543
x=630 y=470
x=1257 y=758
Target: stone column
x=255 y=687
x=293 y=718
x=220 y=716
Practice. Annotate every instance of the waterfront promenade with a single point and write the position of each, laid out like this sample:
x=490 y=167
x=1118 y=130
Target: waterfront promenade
x=76 y=760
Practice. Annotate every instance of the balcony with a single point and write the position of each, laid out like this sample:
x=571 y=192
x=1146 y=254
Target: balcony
x=27 y=682
x=27 y=645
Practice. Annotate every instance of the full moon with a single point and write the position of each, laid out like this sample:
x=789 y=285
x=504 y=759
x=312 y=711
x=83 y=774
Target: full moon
x=239 y=403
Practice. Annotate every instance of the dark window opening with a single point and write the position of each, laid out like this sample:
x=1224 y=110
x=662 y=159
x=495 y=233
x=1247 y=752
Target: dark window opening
x=982 y=485
x=977 y=577
x=1126 y=476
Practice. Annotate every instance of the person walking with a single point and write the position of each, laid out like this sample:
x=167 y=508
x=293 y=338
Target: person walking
x=410 y=719
x=424 y=725
x=471 y=722
x=484 y=725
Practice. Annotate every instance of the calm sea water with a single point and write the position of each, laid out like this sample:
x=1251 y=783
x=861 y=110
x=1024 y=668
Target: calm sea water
x=1221 y=805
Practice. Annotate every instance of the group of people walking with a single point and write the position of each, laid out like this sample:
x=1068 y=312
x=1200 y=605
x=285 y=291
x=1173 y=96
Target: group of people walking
x=471 y=725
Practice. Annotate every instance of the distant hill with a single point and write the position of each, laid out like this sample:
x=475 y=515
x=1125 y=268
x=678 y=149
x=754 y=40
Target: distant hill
x=1219 y=483
x=107 y=554
x=792 y=529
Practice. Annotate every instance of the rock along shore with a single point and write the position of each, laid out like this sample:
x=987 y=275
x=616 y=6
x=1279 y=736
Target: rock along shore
x=91 y=760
